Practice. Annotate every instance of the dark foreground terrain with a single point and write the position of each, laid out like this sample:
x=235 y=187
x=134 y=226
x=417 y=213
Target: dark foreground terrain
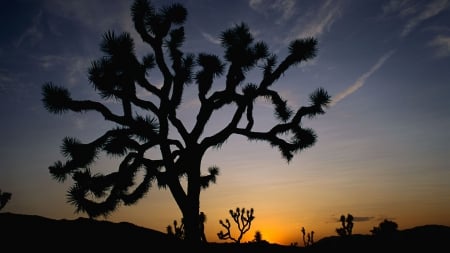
x=30 y=233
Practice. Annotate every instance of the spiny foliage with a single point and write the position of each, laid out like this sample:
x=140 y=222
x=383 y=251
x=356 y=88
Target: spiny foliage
x=148 y=110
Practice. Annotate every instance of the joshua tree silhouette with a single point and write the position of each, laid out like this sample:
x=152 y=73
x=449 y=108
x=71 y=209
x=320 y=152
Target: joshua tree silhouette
x=243 y=218
x=176 y=231
x=202 y=227
x=308 y=238
x=4 y=198
x=347 y=225
x=145 y=121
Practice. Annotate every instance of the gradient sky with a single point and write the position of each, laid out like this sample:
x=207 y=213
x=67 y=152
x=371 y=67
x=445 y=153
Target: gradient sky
x=383 y=149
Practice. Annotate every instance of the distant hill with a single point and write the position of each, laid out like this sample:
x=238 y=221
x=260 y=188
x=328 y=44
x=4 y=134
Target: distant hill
x=22 y=233
x=427 y=238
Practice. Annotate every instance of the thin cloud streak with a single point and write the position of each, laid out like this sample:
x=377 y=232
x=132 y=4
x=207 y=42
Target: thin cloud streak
x=33 y=34
x=312 y=23
x=6 y=80
x=362 y=79
x=403 y=7
x=285 y=7
x=321 y=21
x=92 y=14
x=415 y=12
x=432 y=9
x=211 y=38
x=442 y=43
x=75 y=67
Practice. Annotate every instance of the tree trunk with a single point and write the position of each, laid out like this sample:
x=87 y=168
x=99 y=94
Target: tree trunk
x=191 y=209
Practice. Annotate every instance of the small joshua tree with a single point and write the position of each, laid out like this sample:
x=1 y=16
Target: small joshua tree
x=308 y=238
x=202 y=226
x=243 y=218
x=177 y=231
x=4 y=198
x=347 y=225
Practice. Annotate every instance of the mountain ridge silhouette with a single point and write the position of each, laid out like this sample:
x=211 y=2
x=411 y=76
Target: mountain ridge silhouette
x=22 y=232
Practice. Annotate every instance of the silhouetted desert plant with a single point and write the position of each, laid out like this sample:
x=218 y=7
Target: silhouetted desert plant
x=5 y=197
x=308 y=238
x=347 y=225
x=202 y=227
x=176 y=231
x=148 y=110
x=258 y=237
x=243 y=218
x=385 y=228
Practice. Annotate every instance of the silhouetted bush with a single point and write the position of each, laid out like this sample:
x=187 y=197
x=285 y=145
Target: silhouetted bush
x=386 y=229
x=258 y=237
x=4 y=198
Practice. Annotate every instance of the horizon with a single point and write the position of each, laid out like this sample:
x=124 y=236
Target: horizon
x=298 y=244
x=383 y=143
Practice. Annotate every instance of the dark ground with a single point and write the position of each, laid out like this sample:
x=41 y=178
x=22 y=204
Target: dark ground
x=31 y=233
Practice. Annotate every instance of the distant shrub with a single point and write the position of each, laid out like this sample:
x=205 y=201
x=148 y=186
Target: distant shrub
x=385 y=228
x=258 y=237
x=4 y=198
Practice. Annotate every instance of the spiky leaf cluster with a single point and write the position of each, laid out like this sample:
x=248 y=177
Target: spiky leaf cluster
x=55 y=99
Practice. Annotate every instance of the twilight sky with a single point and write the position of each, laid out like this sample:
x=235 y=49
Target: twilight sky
x=383 y=149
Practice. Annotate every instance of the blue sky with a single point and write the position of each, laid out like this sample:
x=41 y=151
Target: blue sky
x=383 y=145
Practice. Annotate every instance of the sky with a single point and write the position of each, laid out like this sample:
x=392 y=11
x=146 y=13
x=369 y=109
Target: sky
x=383 y=148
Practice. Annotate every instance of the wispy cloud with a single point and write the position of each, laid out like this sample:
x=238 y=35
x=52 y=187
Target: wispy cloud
x=337 y=218
x=33 y=33
x=286 y=8
x=432 y=9
x=319 y=20
x=402 y=7
x=91 y=14
x=362 y=79
x=415 y=12
x=211 y=38
x=442 y=44
x=74 y=67
x=5 y=80
x=15 y=85
x=362 y=218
